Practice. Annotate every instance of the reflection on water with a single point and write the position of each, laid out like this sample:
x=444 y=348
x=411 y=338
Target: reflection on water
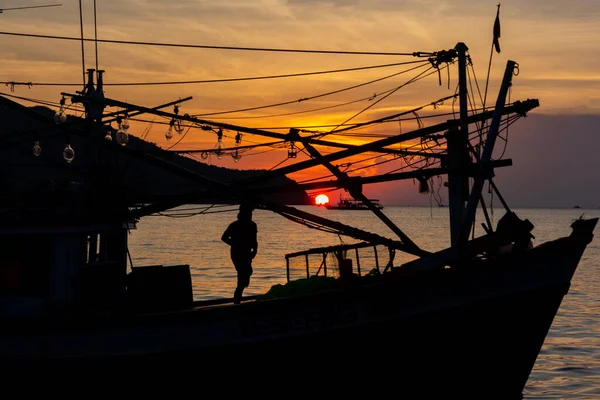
x=569 y=363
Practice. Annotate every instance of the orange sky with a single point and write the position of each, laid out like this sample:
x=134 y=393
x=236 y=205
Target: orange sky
x=556 y=48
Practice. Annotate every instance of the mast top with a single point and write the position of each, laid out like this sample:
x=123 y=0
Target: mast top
x=460 y=46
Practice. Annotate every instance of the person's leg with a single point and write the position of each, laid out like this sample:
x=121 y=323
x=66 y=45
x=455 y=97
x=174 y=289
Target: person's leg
x=244 y=271
x=237 y=294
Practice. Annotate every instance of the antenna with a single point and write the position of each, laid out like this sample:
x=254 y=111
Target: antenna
x=23 y=8
x=96 y=35
x=82 y=42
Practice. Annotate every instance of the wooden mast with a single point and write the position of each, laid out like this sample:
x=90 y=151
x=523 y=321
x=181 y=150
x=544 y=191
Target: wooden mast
x=458 y=156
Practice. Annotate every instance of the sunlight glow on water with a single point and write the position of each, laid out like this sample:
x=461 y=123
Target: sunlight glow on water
x=569 y=363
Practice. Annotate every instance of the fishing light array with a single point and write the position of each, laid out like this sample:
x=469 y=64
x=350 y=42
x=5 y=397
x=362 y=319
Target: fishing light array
x=121 y=136
x=219 y=148
x=59 y=117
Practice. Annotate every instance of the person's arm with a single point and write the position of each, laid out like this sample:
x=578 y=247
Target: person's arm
x=254 y=242
x=226 y=236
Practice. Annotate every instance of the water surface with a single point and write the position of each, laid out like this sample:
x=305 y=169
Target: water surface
x=568 y=366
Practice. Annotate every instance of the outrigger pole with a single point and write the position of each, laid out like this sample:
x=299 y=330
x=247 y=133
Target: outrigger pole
x=359 y=180
x=104 y=101
x=486 y=171
x=517 y=107
x=356 y=192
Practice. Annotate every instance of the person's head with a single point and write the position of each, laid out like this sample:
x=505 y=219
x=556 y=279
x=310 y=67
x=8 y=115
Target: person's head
x=245 y=211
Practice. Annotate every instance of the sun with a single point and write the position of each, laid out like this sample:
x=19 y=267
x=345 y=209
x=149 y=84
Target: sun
x=321 y=200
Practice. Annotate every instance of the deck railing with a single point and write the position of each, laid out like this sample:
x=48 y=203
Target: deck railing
x=364 y=258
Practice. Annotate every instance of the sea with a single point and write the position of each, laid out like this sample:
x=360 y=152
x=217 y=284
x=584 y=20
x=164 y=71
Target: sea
x=568 y=366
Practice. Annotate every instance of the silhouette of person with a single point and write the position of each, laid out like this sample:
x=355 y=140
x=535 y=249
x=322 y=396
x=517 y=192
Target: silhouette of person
x=241 y=235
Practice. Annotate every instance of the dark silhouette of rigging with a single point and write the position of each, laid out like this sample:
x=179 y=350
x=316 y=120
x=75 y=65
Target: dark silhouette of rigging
x=28 y=7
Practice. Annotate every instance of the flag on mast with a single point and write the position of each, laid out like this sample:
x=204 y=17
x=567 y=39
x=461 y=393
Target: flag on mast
x=497 y=30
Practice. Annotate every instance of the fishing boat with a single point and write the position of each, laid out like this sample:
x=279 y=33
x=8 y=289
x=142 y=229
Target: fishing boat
x=471 y=317
x=353 y=204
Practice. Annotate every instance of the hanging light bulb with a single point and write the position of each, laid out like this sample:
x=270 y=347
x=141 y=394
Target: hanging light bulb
x=108 y=136
x=178 y=123
x=169 y=133
x=60 y=116
x=236 y=156
x=68 y=153
x=219 y=146
x=124 y=125
x=122 y=137
x=37 y=150
x=178 y=126
x=292 y=151
x=219 y=149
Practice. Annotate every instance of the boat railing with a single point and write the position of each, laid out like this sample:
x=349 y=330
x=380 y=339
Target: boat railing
x=357 y=258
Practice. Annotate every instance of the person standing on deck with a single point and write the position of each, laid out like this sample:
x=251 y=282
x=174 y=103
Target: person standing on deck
x=241 y=235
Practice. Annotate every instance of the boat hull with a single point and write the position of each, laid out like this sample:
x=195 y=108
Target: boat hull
x=477 y=326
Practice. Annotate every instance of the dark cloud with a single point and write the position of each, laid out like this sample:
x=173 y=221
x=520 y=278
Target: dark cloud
x=555 y=165
x=555 y=162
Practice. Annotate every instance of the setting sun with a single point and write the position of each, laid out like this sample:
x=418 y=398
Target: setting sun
x=321 y=199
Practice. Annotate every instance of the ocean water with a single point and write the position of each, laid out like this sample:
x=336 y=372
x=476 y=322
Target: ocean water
x=568 y=366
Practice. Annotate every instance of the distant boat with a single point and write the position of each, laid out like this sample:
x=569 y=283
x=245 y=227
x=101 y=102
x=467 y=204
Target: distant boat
x=352 y=204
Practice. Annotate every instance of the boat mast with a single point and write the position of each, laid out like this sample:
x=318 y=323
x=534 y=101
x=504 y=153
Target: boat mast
x=458 y=155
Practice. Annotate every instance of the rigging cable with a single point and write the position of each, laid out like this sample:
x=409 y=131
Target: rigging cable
x=321 y=109
x=252 y=78
x=147 y=129
x=96 y=35
x=414 y=79
x=29 y=7
x=129 y=42
x=479 y=125
x=278 y=164
x=383 y=98
x=317 y=96
x=37 y=101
